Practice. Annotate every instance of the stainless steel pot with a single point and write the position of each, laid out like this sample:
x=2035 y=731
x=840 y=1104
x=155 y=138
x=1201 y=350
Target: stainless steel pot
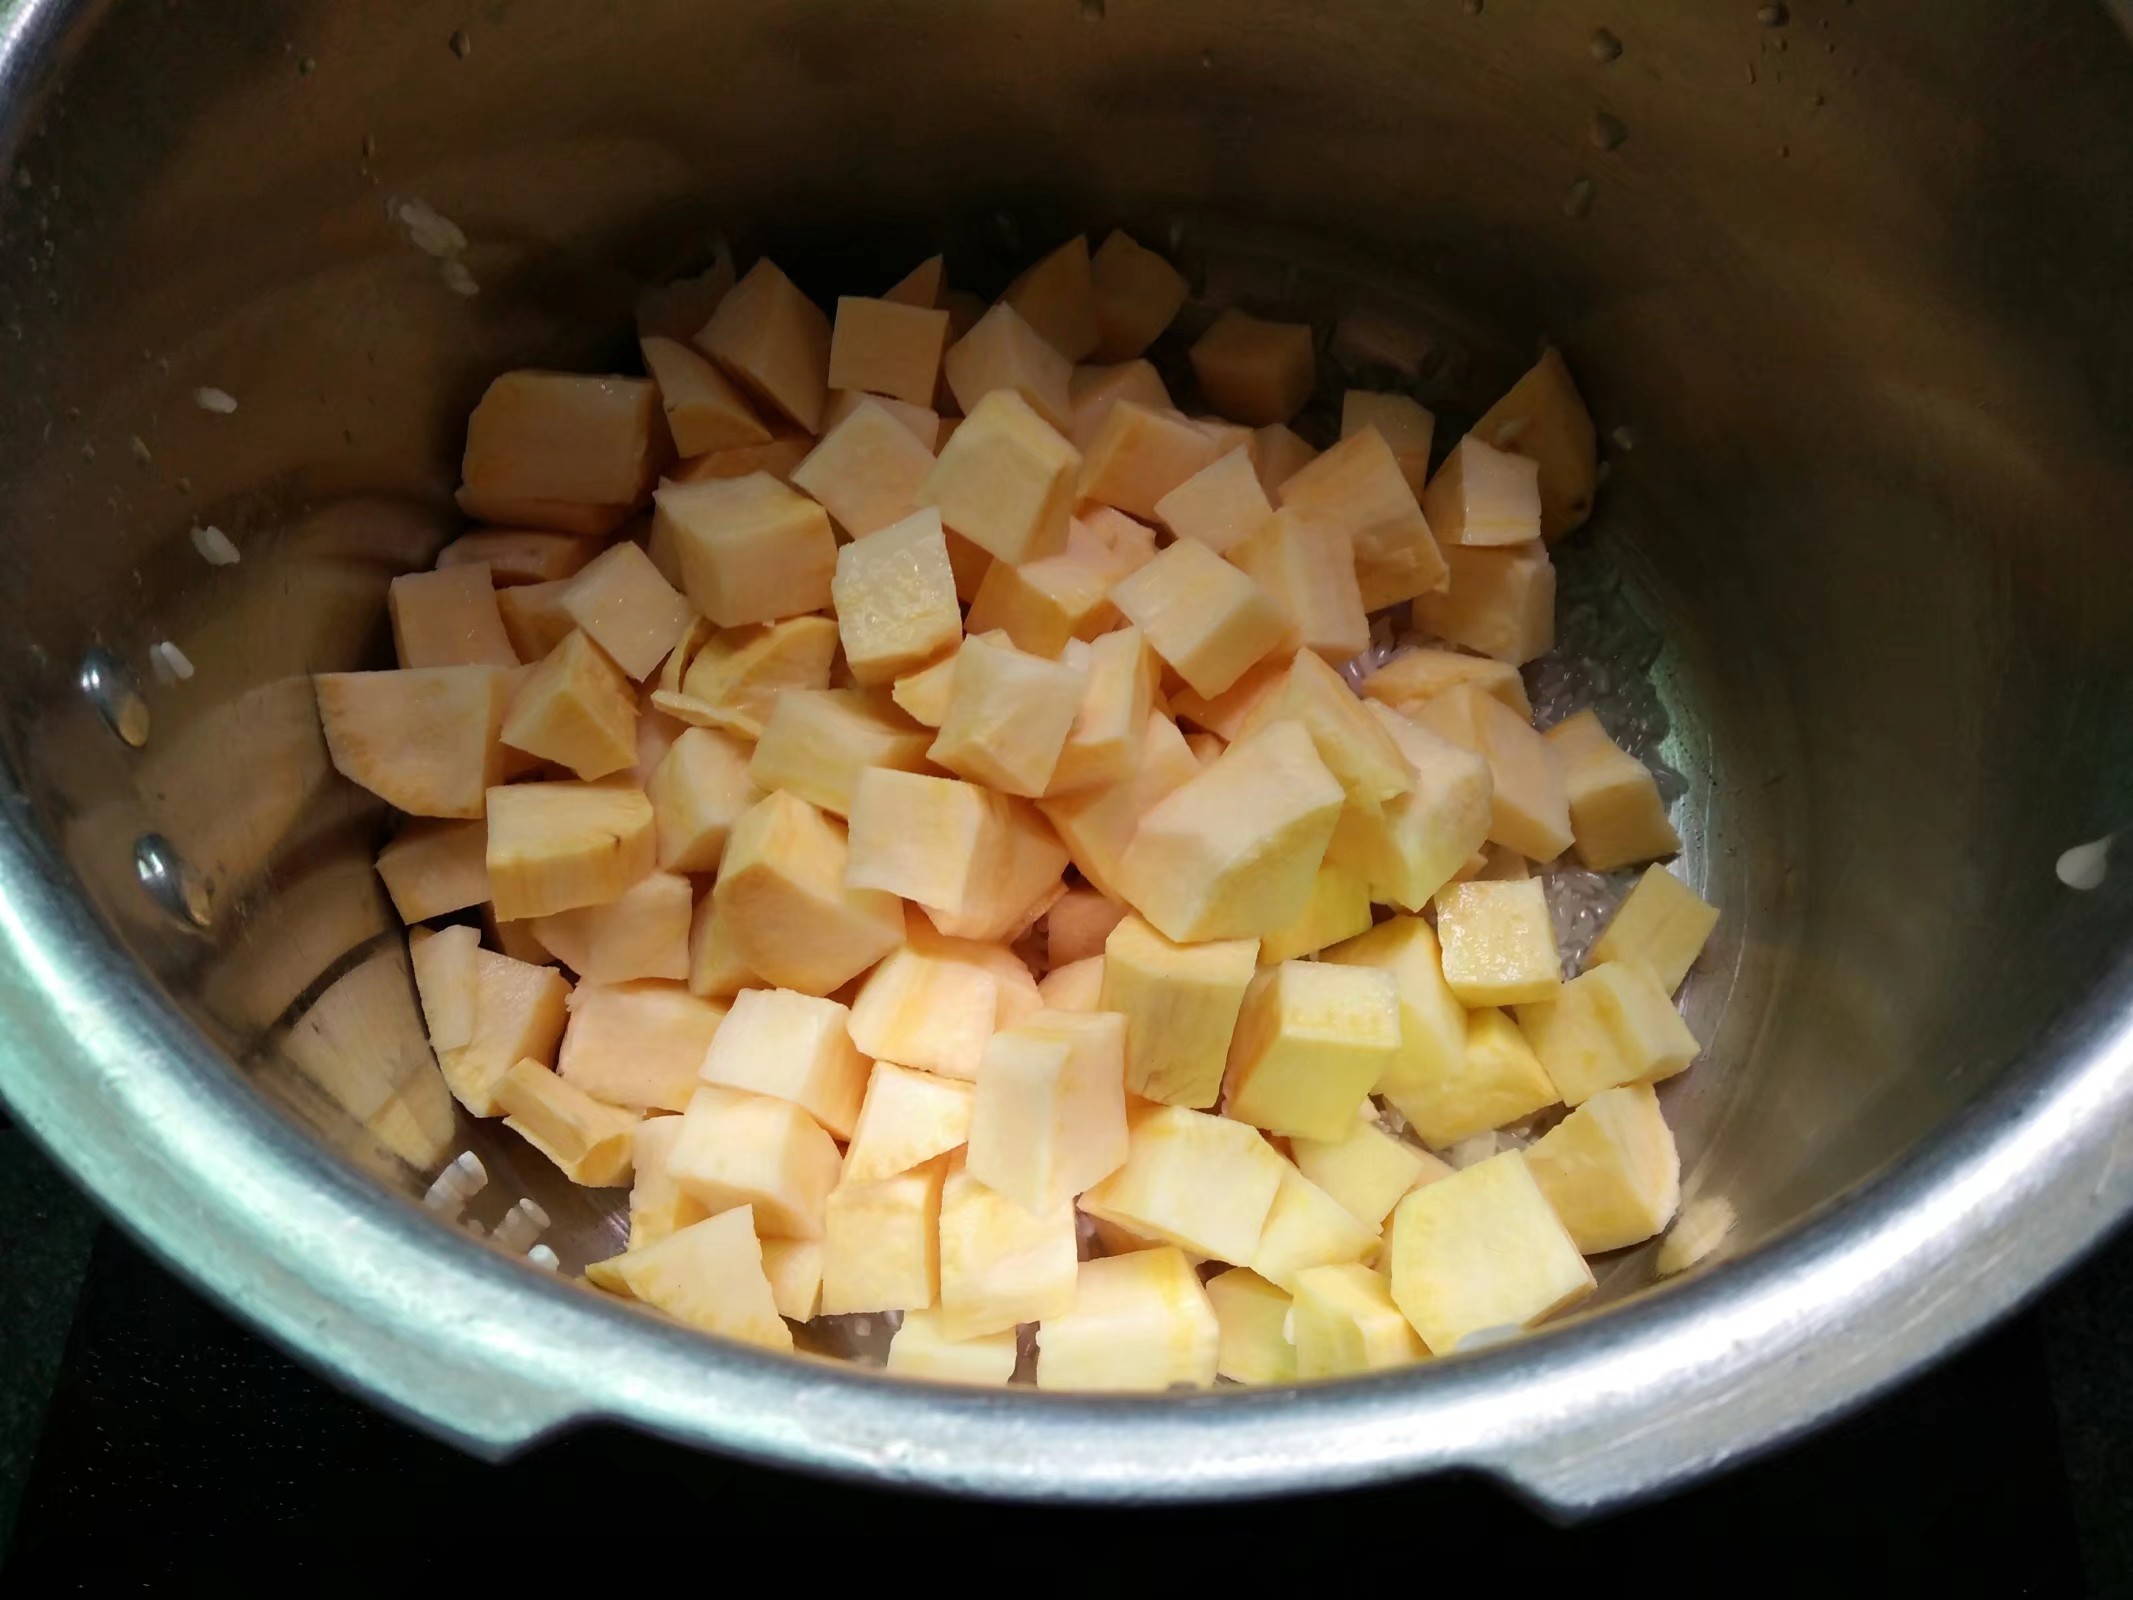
x=1850 y=299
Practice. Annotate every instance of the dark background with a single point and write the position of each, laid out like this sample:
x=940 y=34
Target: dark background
x=146 y=1437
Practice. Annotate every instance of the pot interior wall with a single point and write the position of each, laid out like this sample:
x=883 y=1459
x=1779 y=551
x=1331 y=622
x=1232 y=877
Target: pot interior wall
x=1848 y=309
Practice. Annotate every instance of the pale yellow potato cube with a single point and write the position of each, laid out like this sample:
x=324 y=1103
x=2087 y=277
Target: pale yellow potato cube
x=1306 y=1227
x=924 y=694
x=1057 y=296
x=1118 y=693
x=1483 y=496
x=1222 y=505
x=1228 y=714
x=717 y=970
x=751 y=549
x=894 y=592
x=1498 y=943
x=658 y=1205
x=777 y=458
x=888 y=347
x=1096 y=825
x=704 y=410
x=1428 y=1075
x=1009 y=714
x=626 y=608
x=698 y=792
x=1358 y=485
x=794 y=1268
x=774 y=342
x=1358 y=748
x=1339 y=909
x=1499 y=601
x=709 y=1276
x=1499 y=1079
x=791 y=1047
x=1529 y=807
x=1420 y=676
x=919 y=1349
x=1403 y=423
x=642 y=933
x=1542 y=416
x=1200 y=1182
x=1042 y=604
x=1662 y=925
x=577 y=709
x=1279 y=453
x=819 y=741
x=1078 y=925
x=445 y=982
x=936 y=1001
x=1610 y=1170
x=907 y=1118
x=560 y=450
x=923 y=422
x=590 y=1142
x=1050 y=1117
x=867 y=471
x=1311 y=1039
x=1253 y=371
x=782 y=897
x=424 y=740
x=1252 y=1316
x=1307 y=567
x=1233 y=853
x=741 y=672
x=1180 y=1003
x=448 y=618
x=557 y=846
x=881 y=1242
x=1481 y=1251
x=1206 y=618
x=517 y=557
x=1138 y=295
x=975 y=860
x=738 y=1149
x=1417 y=842
x=1139 y=1323
x=1002 y=353
x=533 y=615
x=1616 y=815
x=1000 y=1264
x=923 y=285
x=1077 y=986
x=519 y=1012
x=1139 y=454
x=1366 y=1170
x=1093 y=391
x=1346 y=1322
x=1005 y=480
x=432 y=868
x=637 y=1044
x=1611 y=1025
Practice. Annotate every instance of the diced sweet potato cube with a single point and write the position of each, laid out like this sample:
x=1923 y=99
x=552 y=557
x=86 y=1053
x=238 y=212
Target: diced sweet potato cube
x=698 y=792
x=659 y=1206
x=1611 y=1025
x=924 y=694
x=1339 y=908
x=1355 y=745
x=1616 y=814
x=1138 y=294
x=741 y=672
x=1417 y=843
x=794 y=1268
x=516 y=556
x=448 y=618
x=1227 y=714
x=1419 y=676
x=1003 y=352
x=556 y=846
x=1094 y=391
x=642 y=933
x=923 y=422
x=1253 y=371
x=1366 y=1170
x=445 y=979
x=1307 y=567
x=1208 y=619
x=919 y=1349
x=628 y=610
x=1005 y=480
x=1663 y=925
x=1001 y=1264
x=1180 y=1003
x=560 y=449
x=1311 y=1039
x=1280 y=454
x=1009 y=714
x=923 y=285
x=1481 y=1250
x=577 y=709
x=818 y=741
x=638 y=1044
x=1501 y=602
x=1483 y=496
x=1306 y=1228
x=1346 y=1321
x=533 y=615
x=716 y=968
x=1050 y=1117
x=907 y=1118
x=708 y=1276
x=1542 y=416
x=1140 y=1322
x=974 y=859
x=774 y=342
x=705 y=411
x=887 y=347
x=1043 y=603
x=1499 y=943
x=1118 y=691
x=1077 y=986
x=1140 y=454
x=592 y=1143
x=1405 y=425
x=1221 y=505
x=425 y=740
x=792 y=1047
x=778 y=458
x=676 y=309
x=936 y=1001
x=1251 y=1315
x=432 y=868
x=1529 y=806
x=1057 y=296
x=782 y=896
x=1096 y=825
x=881 y=1243
x=1358 y=484
x=739 y=1149
x=519 y=1012
x=895 y=598
x=867 y=471
x=1200 y=1182
x=1444 y=1091
x=751 y=549
x=1610 y=1170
